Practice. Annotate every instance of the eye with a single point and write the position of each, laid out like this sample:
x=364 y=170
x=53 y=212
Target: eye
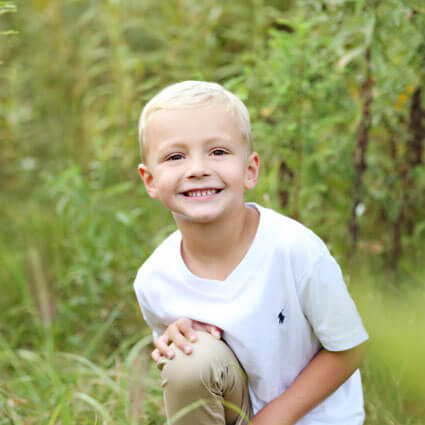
x=174 y=157
x=218 y=152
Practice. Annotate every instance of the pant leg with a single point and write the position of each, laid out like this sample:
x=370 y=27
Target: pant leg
x=205 y=384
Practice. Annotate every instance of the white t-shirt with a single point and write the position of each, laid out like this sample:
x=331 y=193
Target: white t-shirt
x=284 y=301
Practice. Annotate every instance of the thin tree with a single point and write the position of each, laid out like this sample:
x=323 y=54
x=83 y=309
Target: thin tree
x=362 y=142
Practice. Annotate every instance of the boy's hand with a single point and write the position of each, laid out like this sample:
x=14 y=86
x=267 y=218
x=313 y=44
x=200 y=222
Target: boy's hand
x=180 y=332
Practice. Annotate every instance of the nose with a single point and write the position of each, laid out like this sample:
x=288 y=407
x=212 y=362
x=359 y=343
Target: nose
x=197 y=167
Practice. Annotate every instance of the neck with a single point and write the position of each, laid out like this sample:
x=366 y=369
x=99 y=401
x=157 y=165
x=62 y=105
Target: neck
x=223 y=244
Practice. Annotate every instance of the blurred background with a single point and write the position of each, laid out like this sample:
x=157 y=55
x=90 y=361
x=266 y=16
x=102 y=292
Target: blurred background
x=335 y=89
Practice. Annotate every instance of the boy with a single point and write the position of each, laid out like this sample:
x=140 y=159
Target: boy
x=248 y=277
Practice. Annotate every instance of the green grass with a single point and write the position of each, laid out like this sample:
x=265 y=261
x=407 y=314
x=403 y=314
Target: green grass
x=47 y=386
x=394 y=369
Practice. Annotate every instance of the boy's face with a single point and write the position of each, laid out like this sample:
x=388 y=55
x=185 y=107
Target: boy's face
x=198 y=163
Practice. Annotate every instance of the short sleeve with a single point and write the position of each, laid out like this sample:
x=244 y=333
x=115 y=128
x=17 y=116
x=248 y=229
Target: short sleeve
x=329 y=307
x=151 y=319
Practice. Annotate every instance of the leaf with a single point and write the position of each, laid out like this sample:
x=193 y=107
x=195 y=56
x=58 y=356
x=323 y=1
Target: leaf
x=96 y=406
x=348 y=57
x=137 y=348
x=118 y=189
x=419 y=229
x=7 y=7
x=105 y=379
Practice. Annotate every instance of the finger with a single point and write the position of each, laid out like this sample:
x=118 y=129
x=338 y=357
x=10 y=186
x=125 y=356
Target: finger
x=206 y=327
x=173 y=333
x=156 y=355
x=214 y=331
x=201 y=326
x=187 y=328
x=162 y=344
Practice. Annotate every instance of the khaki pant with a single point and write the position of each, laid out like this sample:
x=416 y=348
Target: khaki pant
x=207 y=387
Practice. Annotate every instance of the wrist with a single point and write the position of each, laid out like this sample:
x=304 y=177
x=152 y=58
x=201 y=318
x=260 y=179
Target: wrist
x=275 y=413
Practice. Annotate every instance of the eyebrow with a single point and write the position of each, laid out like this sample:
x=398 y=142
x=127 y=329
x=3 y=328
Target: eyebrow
x=177 y=144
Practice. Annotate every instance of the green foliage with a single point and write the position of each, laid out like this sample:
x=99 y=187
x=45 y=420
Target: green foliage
x=7 y=7
x=308 y=97
x=76 y=222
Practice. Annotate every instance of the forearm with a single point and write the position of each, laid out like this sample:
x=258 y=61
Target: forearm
x=320 y=378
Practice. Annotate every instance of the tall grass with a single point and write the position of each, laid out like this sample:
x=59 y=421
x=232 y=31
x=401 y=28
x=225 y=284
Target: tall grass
x=46 y=386
x=391 y=304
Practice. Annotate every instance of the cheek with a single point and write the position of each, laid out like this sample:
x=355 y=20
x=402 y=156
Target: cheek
x=167 y=179
x=237 y=177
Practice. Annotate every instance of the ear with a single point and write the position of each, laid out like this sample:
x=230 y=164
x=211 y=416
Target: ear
x=148 y=180
x=252 y=170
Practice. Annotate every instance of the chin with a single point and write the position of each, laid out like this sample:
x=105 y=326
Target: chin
x=200 y=219
x=197 y=218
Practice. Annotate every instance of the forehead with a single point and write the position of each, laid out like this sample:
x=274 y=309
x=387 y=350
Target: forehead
x=199 y=123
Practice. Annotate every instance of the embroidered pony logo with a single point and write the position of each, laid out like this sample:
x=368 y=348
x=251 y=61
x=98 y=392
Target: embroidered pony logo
x=281 y=316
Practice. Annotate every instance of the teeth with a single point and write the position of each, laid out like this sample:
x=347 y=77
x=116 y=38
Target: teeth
x=202 y=192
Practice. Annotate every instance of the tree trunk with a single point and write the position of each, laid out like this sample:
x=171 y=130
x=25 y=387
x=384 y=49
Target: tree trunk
x=414 y=154
x=414 y=150
x=362 y=142
x=285 y=182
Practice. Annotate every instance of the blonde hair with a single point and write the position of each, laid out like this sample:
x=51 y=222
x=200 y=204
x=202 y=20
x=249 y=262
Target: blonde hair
x=187 y=94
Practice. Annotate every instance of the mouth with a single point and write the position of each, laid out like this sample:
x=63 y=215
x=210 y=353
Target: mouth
x=201 y=193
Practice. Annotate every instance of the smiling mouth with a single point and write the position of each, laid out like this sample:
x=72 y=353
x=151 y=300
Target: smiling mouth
x=200 y=193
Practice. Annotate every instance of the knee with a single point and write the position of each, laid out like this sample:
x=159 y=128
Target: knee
x=189 y=372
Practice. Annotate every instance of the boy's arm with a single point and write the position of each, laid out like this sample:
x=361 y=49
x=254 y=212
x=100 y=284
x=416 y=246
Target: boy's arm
x=181 y=332
x=321 y=377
